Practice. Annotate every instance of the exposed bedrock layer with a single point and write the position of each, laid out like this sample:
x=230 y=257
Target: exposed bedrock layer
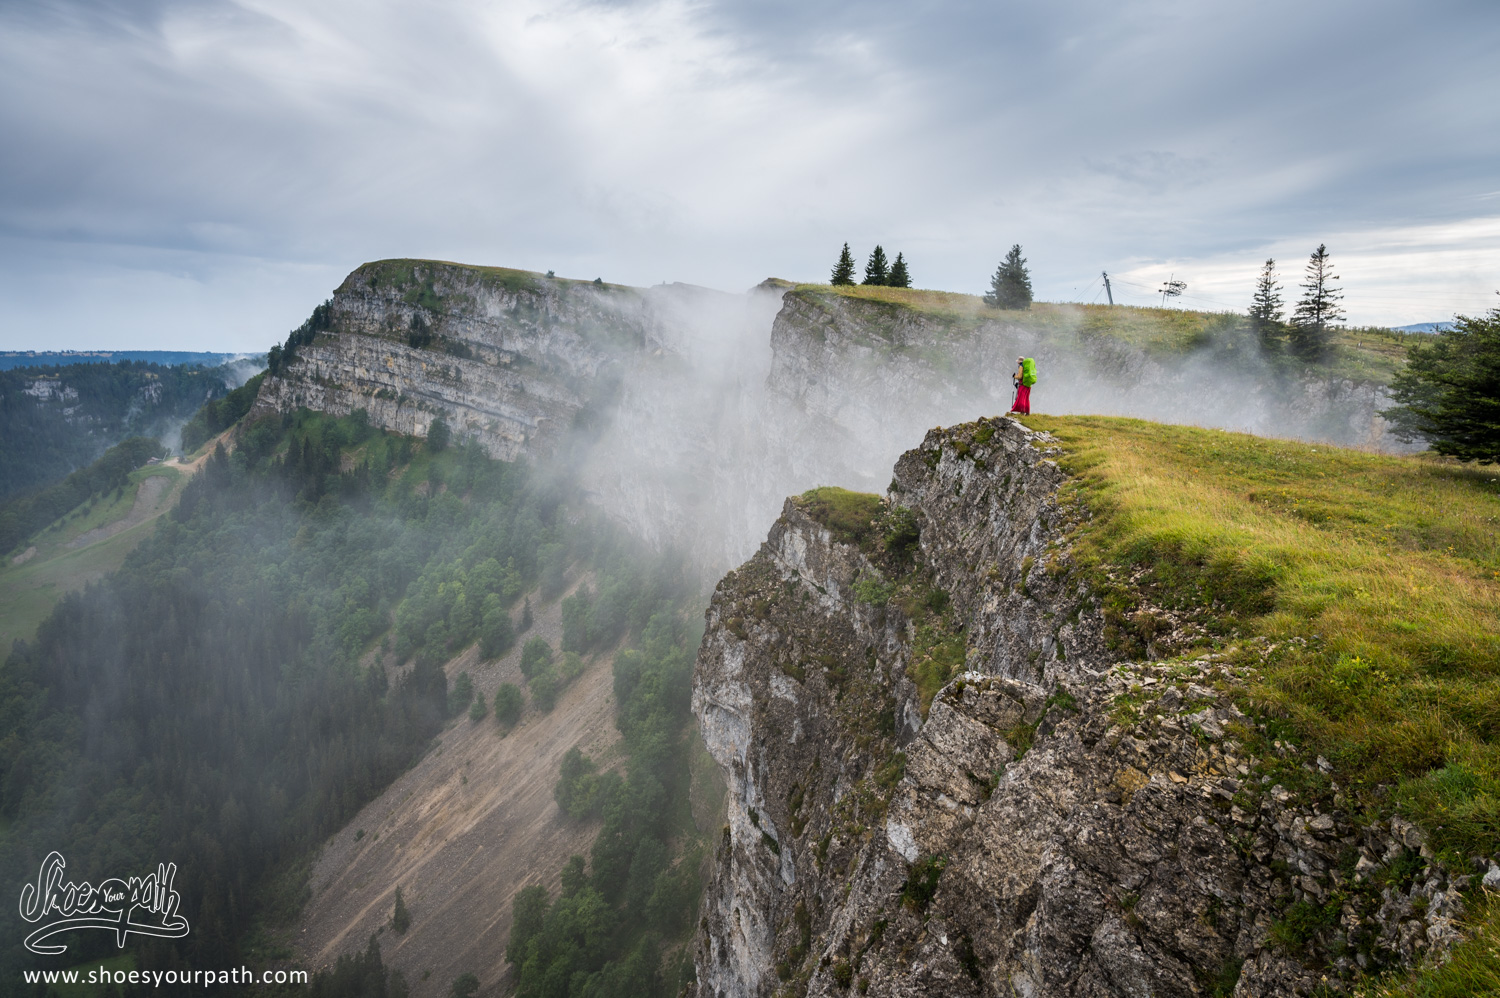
x=1021 y=838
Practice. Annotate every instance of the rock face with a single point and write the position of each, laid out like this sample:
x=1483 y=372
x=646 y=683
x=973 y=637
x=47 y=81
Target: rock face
x=843 y=359
x=1058 y=823
x=508 y=358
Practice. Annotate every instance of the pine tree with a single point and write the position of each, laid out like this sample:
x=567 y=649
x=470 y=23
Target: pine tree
x=1265 y=306
x=400 y=919
x=1011 y=285
x=877 y=271
x=899 y=277
x=1318 y=308
x=843 y=271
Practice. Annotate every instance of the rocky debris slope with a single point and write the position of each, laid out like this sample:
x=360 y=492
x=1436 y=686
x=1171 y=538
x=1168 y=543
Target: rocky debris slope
x=843 y=358
x=942 y=783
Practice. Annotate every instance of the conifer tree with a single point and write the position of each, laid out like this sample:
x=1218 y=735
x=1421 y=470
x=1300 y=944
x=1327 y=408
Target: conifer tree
x=1449 y=391
x=1318 y=308
x=1011 y=285
x=400 y=918
x=843 y=271
x=876 y=269
x=899 y=277
x=1265 y=306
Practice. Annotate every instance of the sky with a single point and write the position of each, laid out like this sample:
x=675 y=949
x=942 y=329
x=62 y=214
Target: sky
x=198 y=174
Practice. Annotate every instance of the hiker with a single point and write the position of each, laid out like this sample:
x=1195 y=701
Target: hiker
x=1023 y=379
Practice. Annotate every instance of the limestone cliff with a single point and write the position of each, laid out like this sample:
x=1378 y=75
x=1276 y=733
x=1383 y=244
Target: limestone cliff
x=506 y=357
x=844 y=359
x=943 y=782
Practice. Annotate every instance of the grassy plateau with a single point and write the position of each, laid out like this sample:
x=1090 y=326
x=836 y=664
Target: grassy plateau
x=1358 y=354
x=1374 y=581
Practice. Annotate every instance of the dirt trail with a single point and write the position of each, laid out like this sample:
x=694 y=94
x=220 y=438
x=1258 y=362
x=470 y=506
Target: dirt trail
x=461 y=832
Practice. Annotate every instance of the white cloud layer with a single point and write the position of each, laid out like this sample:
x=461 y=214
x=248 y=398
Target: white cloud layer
x=199 y=173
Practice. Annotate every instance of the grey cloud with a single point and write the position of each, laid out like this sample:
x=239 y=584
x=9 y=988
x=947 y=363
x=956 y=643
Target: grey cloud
x=717 y=143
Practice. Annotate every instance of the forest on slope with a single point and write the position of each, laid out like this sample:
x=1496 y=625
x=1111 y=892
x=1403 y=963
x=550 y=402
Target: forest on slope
x=218 y=703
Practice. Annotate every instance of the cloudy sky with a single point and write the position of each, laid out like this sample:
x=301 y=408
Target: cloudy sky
x=197 y=174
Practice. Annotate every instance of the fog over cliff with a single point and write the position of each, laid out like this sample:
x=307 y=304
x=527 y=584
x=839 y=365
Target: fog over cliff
x=745 y=399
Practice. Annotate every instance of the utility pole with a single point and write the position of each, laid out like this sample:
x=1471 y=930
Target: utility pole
x=1106 y=287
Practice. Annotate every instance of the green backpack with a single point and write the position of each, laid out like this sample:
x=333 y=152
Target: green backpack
x=1028 y=372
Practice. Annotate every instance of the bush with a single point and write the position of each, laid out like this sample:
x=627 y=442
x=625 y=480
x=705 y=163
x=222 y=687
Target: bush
x=438 y=435
x=922 y=882
x=508 y=704
x=570 y=668
x=460 y=695
x=536 y=656
x=496 y=635
x=400 y=918
x=478 y=709
x=544 y=690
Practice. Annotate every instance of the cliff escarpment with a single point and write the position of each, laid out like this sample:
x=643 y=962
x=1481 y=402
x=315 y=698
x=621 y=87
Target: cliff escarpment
x=508 y=358
x=843 y=354
x=955 y=768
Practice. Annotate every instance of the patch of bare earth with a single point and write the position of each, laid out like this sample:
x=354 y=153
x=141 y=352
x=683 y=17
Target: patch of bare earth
x=150 y=500
x=461 y=833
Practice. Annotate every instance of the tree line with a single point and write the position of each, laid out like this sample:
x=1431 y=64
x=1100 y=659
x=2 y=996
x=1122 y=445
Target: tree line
x=1010 y=287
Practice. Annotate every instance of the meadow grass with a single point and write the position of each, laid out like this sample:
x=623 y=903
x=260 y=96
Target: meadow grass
x=1369 y=354
x=1377 y=576
x=29 y=591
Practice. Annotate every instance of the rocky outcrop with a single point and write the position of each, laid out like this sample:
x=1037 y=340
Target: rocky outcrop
x=942 y=782
x=505 y=357
x=843 y=359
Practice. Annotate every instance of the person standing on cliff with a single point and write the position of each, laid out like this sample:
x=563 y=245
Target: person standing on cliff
x=1023 y=379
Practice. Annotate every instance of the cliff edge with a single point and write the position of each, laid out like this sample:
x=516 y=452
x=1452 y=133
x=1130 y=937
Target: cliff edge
x=952 y=772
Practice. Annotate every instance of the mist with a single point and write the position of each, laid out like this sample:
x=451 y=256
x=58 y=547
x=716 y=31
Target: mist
x=735 y=405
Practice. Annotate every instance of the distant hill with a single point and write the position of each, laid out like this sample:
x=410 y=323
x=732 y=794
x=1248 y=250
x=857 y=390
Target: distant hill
x=59 y=417
x=56 y=358
x=1425 y=327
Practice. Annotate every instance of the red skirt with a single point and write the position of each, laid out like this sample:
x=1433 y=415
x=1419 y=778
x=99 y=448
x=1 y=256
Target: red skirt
x=1023 y=400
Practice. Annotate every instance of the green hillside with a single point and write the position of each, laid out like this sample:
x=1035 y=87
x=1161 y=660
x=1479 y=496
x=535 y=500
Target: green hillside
x=1362 y=354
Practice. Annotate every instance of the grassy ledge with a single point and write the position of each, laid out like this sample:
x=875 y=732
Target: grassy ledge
x=1359 y=354
x=1376 y=578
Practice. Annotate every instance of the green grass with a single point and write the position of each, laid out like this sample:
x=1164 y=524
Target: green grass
x=415 y=276
x=1360 y=354
x=1472 y=968
x=852 y=517
x=29 y=591
x=1378 y=577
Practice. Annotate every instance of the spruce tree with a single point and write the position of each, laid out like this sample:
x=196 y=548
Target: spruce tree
x=1449 y=391
x=1265 y=306
x=400 y=919
x=876 y=270
x=1318 y=308
x=843 y=271
x=899 y=277
x=1011 y=285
